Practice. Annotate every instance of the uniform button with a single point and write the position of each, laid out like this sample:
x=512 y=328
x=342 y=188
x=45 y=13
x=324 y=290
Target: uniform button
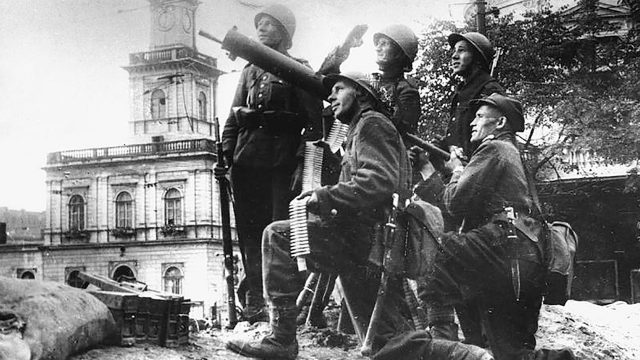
x=260 y=95
x=264 y=77
x=260 y=106
x=261 y=85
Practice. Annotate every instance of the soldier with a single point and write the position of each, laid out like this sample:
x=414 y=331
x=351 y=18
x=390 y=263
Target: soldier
x=471 y=59
x=262 y=142
x=495 y=259
x=396 y=49
x=343 y=219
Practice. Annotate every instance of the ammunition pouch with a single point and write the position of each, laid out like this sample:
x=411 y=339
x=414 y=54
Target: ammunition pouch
x=272 y=120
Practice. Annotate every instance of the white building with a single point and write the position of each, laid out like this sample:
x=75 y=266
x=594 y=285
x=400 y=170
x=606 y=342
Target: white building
x=150 y=209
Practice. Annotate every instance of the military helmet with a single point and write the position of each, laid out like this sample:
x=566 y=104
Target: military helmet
x=479 y=42
x=360 y=79
x=283 y=15
x=401 y=35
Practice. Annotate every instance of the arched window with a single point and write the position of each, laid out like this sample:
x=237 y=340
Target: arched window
x=173 y=280
x=76 y=213
x=27 y=275
x=75 y=281
x=158 y=105
x=123 y=272
x=173 y=207
x=124 y=211
x=202 y=106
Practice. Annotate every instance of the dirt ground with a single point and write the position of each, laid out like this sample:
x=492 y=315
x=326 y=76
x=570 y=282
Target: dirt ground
x=594 y=332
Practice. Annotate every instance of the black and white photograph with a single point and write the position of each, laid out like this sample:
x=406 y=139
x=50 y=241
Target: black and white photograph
x=320 y=179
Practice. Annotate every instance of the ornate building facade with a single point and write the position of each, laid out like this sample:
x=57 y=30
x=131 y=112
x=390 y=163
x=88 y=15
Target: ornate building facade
x=150 y=209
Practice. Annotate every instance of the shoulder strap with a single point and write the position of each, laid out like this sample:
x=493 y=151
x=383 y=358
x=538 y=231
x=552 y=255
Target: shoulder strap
x=532 y=190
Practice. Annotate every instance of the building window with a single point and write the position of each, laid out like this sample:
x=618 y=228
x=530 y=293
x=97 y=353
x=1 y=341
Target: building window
x=74 y=280
x=158 y=104
x=202 y=106
x=76 y=213
x=123 y=273
x=173 y=280
x=28 y=273
x=173 y=208
x=124 y=211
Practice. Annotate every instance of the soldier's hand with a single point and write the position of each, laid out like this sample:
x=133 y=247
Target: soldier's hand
x=220 y=171
x=354 y=38
x=418 y=156
x=455 y=160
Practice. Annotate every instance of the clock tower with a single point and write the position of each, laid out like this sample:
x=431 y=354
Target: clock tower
x=173 y=23
x=172 y=85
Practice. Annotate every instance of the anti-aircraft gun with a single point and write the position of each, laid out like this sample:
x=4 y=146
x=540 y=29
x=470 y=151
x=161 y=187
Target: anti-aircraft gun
x=292 y=71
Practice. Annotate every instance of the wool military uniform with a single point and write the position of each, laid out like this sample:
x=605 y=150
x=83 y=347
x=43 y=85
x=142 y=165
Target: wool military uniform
x=262 y=139
x=461 y=113
x=478 y=262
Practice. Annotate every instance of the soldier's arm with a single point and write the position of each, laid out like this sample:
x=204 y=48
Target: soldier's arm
x=230 y=132
x=468 y=189
x=407 y=111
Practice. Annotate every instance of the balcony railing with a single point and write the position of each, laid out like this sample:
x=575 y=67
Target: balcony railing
x=177 y=53
x=181 y=125
x=168 y=147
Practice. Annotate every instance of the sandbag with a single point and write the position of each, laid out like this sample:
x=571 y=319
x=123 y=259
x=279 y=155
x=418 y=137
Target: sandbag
x=58 y=320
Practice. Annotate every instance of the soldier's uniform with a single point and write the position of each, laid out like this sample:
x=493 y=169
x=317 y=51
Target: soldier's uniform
x=262 y=140
x=342 y=227
x=478 y=85
x=481 y=261
x=461 y=113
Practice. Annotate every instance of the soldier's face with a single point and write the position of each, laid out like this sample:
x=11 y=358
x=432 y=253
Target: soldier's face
x=485 y=123
x=268 y=31
x=387 y=52
x=343 y=100
x=462 y=58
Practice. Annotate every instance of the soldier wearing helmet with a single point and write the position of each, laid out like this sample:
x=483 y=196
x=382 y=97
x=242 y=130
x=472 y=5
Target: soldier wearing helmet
x=471 y=59
x=396 y=48
x=261 y=141
x=343 y=220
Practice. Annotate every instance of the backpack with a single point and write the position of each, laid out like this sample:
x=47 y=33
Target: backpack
x=559 y=254
x=412 y=250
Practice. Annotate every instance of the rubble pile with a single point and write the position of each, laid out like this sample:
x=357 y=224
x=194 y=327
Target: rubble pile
x=593 y=332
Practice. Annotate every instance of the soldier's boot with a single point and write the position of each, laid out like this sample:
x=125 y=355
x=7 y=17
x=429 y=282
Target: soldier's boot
x=454 y=350
x=442 y=323
x=281 y=343
x=255 y=311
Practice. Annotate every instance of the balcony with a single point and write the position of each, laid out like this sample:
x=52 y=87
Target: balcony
x=172 y=54
x=161 y=148
x=177 y=125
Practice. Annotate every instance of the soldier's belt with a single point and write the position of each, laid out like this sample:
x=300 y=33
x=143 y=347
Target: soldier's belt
x=276 y=121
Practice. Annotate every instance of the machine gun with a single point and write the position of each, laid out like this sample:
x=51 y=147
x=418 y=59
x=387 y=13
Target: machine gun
x=227 y=246
x=290 y=70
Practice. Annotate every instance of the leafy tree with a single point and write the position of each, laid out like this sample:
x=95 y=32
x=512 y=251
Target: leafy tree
x=579 y=87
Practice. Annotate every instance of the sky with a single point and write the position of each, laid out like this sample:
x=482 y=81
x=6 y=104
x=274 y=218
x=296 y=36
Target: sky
x=62 y=85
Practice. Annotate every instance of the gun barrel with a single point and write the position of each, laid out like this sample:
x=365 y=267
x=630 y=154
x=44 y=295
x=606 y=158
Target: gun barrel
x=272 y=61
x=427 y=146
x=209 y=36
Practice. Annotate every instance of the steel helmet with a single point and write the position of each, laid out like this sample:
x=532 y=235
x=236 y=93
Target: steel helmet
x=479 y=42
x=362 y=80
x=284 y=16
x=403 y=36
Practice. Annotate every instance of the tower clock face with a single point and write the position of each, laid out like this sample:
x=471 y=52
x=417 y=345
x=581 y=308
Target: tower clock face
x=165 y=18
x=187 y=23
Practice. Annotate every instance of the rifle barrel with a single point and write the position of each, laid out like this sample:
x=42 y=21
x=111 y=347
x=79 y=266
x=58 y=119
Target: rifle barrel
x=427 y=146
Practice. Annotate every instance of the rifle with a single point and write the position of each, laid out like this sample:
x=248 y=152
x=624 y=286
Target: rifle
x=376 y=315
x=227 y=246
